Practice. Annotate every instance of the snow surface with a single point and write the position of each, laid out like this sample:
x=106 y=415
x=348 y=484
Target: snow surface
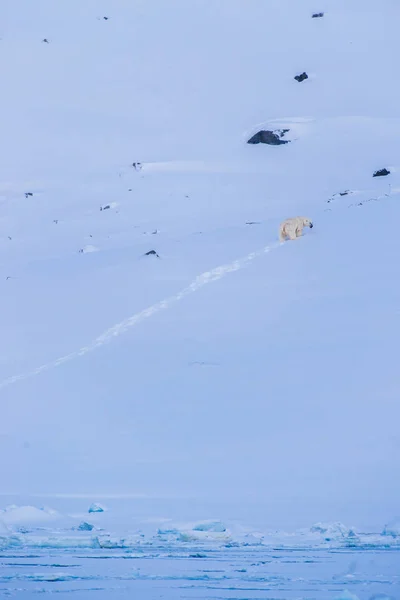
x=230 y=379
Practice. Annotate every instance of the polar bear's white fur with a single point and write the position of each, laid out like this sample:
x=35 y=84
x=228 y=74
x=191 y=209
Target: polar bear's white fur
x=293 y=228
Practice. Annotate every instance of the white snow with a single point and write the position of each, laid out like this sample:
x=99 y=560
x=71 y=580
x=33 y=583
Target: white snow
x=214 y=526
x=297 y=420
x=30 y=527
x=392 y=528
x=27 y=515
x=88 y=249
x=4 y=530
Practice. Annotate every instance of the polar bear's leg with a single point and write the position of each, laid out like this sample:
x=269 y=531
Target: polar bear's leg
x=282 y=233
x=299 y=231
x=291 y=231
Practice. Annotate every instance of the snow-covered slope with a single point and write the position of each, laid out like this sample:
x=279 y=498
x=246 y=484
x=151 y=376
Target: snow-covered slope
x=259 y=379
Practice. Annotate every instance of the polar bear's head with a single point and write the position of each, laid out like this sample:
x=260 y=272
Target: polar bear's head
x=308 y=223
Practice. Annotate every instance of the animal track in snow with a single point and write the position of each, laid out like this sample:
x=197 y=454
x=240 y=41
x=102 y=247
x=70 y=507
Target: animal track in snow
x=122 y=327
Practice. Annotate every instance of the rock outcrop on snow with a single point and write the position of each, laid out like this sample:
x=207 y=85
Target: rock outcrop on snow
x=273 y=138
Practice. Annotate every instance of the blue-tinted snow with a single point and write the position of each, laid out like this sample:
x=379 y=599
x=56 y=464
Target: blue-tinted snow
x=226 y=379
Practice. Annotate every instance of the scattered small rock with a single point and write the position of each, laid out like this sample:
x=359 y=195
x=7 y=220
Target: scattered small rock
x=106 y=18
x=301 y=77
x=108 y=206
x=27 y=194
x=253 y=222
x=137 y=166
x=197 y=555
x=378 y=199
x=273 y=138
x=45 y=41
x=345 y=193
x=202 y=363
x=317 y=15
x=381 y=173
x=130 y=189
x=154 y=232
x=10 y=238
x=55 y=221
x=152 y=253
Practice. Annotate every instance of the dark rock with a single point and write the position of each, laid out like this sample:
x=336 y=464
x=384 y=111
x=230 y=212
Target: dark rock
x=27 y=194
x=381 y=173
x=273 y=138
x=152 y=253
x=253 y=222
x=45 y=41
x=106 y=18
x=106 y=207
x=301 y=77
x=137 y=166
x=340 y=194
x=317 y=15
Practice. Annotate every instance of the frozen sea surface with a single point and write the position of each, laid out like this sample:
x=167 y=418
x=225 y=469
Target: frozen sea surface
x=126 y=551
x=195 y=571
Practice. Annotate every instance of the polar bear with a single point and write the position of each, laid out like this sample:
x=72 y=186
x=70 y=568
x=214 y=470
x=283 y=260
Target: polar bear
x=293 y=228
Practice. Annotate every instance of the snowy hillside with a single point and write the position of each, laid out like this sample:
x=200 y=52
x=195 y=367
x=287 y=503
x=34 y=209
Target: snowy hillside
x=224 y=376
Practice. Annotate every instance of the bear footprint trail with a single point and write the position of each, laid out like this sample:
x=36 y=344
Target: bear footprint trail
x=120 y=328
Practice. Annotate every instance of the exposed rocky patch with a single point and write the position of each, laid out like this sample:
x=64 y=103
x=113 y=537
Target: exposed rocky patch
x=381 y=173
x=151 y=253
x=273 y=138
x=301 y=77
x=339 y=195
